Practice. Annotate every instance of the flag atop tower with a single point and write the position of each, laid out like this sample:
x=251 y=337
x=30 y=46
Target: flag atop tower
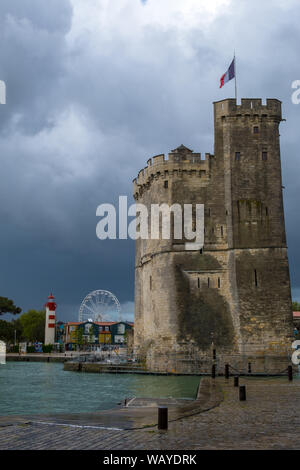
x=229 y=75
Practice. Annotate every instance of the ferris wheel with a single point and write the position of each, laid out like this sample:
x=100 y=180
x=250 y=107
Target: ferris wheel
x=100 y=305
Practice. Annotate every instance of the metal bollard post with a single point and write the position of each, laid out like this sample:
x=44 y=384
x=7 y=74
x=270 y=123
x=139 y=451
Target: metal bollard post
x=236 y=380
x=162 y=418
x=242 y=392
x=226 y=371
x=290 y=373
x=249 y=367
x=213 y=371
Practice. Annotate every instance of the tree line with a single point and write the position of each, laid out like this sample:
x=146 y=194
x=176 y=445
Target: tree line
x=29 y=327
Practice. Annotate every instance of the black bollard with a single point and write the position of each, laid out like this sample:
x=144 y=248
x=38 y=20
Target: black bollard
x=213 y=371
x=290 y=373
x=226 y=371
x=242 y=392
x=249 y=367
x=162 y=418
x=236 y=380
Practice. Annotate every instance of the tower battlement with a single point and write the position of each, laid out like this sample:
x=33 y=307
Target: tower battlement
x=180 y=161
x=248 y=107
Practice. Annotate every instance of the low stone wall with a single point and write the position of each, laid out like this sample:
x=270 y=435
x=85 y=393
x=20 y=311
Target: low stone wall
x=35 y=358
x=113 y=369
x=71 y=366
x=202 y=365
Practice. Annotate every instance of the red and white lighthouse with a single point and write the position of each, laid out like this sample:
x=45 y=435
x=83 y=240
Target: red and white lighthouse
x=50 y=320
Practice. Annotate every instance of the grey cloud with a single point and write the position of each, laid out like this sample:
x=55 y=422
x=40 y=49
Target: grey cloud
x=83 y=118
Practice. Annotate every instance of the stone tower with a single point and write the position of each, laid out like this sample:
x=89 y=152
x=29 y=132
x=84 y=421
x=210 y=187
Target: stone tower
x=233 y=296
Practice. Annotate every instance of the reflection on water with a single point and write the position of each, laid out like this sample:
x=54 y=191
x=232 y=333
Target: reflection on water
x=27 y=388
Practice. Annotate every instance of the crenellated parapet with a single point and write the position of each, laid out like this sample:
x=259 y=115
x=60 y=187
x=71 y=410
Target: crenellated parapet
x=249 y=108
x=181 y=161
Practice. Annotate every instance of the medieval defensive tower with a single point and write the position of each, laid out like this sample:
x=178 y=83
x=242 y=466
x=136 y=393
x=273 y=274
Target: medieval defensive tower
x=233 y=296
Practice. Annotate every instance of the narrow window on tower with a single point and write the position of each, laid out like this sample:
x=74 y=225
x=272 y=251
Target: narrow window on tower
x=237 y=156
x=222 y=233
x=198 y=283
x=166 y=184
x=264 y=156
x=150 y=282
x=255 y=130
x=219 y=282
x=193 y=219
x=267 y=211
x=255 y=277
x=208 y=282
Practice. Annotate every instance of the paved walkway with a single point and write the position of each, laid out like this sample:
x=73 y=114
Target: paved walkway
x=269 y=419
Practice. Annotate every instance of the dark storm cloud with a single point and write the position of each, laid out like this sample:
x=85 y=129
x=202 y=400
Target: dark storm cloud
x=32 y=59
x=84 y=114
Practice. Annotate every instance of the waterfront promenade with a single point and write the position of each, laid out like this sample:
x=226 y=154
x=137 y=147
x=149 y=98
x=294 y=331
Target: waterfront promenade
x=269 y=419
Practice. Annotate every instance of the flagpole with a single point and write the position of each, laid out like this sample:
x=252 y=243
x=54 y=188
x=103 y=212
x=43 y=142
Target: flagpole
x=235 y=77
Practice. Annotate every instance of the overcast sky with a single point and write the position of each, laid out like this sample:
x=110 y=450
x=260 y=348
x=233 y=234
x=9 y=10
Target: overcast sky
x=95 y=88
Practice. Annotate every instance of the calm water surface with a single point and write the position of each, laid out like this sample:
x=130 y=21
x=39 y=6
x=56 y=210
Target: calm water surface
x=28 y=388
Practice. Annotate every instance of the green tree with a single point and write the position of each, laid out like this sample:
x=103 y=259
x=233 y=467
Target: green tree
x=6 y=331
x=33 y=323
x=91 y=334
x=296 y=306
x=11 y=330
x=125 y=337
x=7 y=306
x=79 y=336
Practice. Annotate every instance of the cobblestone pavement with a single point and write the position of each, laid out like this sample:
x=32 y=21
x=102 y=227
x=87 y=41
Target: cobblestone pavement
x=269 y=419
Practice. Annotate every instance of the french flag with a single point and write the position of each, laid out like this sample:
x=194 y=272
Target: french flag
x=229 y=75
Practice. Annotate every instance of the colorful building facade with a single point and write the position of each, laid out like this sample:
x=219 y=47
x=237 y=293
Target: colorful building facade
x=95 y=333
